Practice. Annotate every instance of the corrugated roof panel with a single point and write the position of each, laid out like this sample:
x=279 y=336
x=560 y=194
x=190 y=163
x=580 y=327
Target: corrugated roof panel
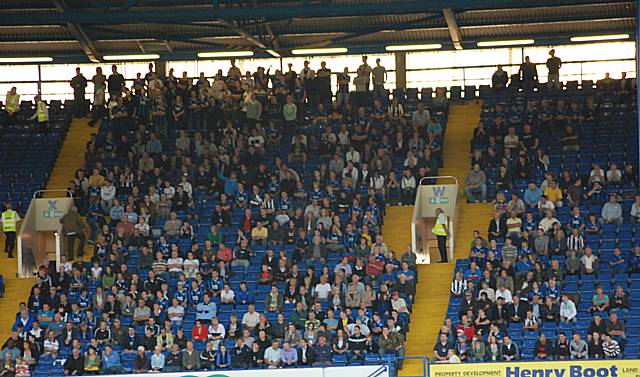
x=415 y=35
x=40 y=48
x=563 y=28
x=540 y=14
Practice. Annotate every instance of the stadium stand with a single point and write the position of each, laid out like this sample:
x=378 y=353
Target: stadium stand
x=28 y=153
x=556 y=276
x=221 y=226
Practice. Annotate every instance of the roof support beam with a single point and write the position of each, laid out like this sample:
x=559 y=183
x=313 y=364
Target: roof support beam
x=233 y=26
x=228 y=13
x=454 y=30
x=129 y=4
x=87 y=44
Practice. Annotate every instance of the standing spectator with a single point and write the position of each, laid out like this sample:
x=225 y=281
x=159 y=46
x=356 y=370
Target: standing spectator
x=528 y=74
x=499 y=79
x=553 y=65
x=73 y=228
x=115 y=82
x=79 y=84
x=379 y=78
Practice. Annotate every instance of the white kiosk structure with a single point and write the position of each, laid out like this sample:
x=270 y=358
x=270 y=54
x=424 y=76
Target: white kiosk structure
x=432 y=193
x=40 y=239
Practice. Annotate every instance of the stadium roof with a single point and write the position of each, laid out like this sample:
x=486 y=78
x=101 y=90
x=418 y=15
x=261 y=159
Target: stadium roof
x=87 y=30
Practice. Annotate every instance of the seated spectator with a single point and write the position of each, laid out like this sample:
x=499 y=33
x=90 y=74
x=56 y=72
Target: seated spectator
x=74 y=365
x=273 y=355
x=614 y=175
x=570 y=139
x=111 y=361
x=322 y=353
x=568 y=311
x=543 y=349
x=610 y=347
x=562 y=348
x=190 y=358
x=611 y=212
x=289 y=355
x=141 y=363
x=509 y=350
x=223 y=358
x=578 y=348
x=157 y=360
x=476 y=184
x=590 y=263
x=620 y=301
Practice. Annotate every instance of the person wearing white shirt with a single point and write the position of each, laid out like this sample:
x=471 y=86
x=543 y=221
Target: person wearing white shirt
x=175 y=313
x=175 y=263
x=614 y=175
x=227 y=296
x=635 y=210
x=251 y=318
x=322 y=289
x=568 y=309
x=505 y=294
x=107 y=194
x=353 y=155
x=216 y=332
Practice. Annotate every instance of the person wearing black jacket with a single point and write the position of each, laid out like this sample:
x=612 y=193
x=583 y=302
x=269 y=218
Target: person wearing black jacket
x=173 y=362
x=130 y=341
x=550 y=311
x=241 y=355
x=208 y=357
x=305 y=353
x=74 y=365
x=561 y=347
x=497 y=227
x=141 y=363
x=517 y=310
x=256 y=357
x=498 y=312
x=357 y=344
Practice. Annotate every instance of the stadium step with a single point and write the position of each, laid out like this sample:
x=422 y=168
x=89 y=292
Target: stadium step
x=397 y=228
x=432 y=299
x=71 y=156
x=70 y=159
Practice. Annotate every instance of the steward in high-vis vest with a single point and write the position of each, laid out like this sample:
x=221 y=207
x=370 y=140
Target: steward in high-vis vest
x=10 y=219
x=441 y=231
x=12 y=105
x=42 y=114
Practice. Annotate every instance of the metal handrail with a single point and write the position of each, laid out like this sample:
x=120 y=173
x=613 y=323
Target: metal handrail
x=37 y=192
x=439 y=177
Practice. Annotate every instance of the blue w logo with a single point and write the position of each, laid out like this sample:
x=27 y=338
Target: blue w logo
x=438 y=190
x=53 y=205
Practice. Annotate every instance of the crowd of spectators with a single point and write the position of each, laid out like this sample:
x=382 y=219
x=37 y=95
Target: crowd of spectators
x=552 y=278
x=234 y=224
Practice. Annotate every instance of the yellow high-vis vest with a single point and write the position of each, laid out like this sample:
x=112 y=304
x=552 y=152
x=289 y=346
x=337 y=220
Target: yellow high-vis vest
x=9 y=218
x=438 y=229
